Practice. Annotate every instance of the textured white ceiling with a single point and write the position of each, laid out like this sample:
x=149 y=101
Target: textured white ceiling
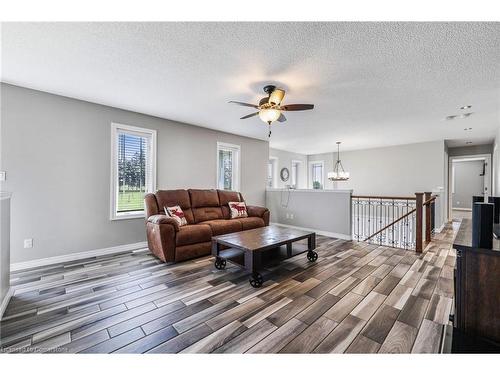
x=373 y=84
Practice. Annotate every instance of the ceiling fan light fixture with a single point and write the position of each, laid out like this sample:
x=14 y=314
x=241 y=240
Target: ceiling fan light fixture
x=270 y=108
x=269 y=115
x=276 y=96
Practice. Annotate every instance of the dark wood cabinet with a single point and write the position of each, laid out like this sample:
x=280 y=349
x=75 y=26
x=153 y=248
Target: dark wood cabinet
x=477 y=288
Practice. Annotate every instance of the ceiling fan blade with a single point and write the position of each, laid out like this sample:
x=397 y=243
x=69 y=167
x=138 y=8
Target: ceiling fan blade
x=248 y=116
x=282 y=118
x=244 y=104
x=297 y=107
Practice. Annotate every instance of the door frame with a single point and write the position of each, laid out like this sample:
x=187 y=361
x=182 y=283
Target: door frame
x=487 y=176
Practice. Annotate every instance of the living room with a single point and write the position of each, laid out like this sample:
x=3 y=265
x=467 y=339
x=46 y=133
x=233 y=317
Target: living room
x=200 y=187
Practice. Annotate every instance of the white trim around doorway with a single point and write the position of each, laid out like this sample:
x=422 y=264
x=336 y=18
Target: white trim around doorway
x=489 y=170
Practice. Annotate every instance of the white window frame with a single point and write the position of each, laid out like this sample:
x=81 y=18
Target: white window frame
x=236 y=162
x=298 y=163
x=115 y=127
x=310 y=181
x=274 y=160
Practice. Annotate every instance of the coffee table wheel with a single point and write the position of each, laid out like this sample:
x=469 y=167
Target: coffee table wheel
x=256 y=280
x=312 y=256
x=220 y=263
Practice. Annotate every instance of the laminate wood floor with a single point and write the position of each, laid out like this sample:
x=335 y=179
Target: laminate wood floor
x=357 y=298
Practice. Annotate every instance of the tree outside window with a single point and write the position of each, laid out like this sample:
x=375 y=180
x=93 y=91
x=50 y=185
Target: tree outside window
x=228 y=174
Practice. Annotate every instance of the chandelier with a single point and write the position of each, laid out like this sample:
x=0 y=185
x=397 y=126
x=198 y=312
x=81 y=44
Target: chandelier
x=338 y=174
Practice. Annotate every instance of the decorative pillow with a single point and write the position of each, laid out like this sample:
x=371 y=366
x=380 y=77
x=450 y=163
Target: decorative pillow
x=238 y=209
x=176 y=213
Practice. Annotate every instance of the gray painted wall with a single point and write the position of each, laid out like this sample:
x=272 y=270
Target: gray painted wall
x=285 y=160
x=467 y=182
x=395 y=170
x=56 y=152
x=4 y=246
x=322 y=210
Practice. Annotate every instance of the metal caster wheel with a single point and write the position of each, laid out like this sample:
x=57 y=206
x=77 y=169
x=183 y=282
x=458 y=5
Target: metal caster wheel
x=220 y=263
x=256 y=280
x=312 y=256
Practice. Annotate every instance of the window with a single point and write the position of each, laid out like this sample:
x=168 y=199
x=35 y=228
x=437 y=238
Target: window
x=133 y=158
x=295 y=173
x=316 y=174
x=272 y=171
x=228 y=166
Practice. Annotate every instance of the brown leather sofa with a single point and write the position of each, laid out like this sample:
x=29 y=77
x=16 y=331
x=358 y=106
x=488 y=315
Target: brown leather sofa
x=207 y=214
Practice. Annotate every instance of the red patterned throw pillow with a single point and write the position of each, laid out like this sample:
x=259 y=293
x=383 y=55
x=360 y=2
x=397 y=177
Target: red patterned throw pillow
x=176 y=213
x=238 y=210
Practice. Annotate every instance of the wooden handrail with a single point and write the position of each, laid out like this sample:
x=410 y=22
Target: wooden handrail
x=433 y=198
x=391 y=224
x=429 y=201
x=421 y=205
x=382 y=197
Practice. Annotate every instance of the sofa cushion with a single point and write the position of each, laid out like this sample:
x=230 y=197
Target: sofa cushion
x=226 y=196
x=251 y=222
x=195 y=233
x=224 y=226
x=151 y=205
x=168 y=198
x=204 y=198
x=205 y=205
x=206 y=213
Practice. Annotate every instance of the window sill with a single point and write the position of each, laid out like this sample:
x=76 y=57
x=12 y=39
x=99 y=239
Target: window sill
x=128 y=216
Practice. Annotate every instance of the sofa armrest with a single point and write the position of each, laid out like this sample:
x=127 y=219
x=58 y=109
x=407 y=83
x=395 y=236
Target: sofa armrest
x=261 y=212
x=161 y=232
x=163 y=219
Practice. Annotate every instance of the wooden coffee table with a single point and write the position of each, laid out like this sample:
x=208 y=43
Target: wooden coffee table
x=253 y=249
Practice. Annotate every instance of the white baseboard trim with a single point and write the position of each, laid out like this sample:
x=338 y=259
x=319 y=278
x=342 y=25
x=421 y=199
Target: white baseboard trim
x=20 y=266
x=5 y=301
x=320 y=232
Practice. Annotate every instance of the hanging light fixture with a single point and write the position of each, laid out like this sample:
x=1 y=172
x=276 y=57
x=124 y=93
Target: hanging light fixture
x=338 y=174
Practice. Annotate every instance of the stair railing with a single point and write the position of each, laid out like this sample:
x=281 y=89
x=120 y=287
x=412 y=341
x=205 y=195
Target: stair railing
x=393 y=221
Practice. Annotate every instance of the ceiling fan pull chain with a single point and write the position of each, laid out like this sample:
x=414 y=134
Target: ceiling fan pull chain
x=269 y=135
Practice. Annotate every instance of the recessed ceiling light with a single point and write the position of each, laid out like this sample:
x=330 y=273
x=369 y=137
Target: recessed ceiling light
x=466 y=107
x=462 y=116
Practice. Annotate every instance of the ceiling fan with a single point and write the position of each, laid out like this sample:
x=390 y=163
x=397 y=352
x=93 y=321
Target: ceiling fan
x=270 y=108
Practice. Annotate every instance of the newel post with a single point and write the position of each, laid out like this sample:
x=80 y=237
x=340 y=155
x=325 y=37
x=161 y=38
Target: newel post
x=418 y=231
x=427 y=196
